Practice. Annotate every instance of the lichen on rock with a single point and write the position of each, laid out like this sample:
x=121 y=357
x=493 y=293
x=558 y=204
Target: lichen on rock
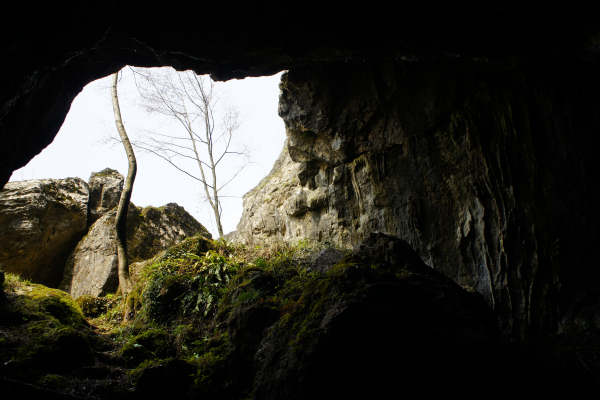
x=40 y=222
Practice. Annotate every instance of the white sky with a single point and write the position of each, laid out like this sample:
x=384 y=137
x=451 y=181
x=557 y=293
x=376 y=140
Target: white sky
x=81 y=146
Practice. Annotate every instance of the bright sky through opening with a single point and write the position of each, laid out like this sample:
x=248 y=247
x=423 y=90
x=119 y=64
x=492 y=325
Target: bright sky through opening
x=82 y=146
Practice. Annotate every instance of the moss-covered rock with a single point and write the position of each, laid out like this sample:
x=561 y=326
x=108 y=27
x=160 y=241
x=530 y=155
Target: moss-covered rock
x=261 y=323
x=92 y=306
x=151 y=344
x=371 y=323
x=169 y=378
x=44 y=330
x=213 y=320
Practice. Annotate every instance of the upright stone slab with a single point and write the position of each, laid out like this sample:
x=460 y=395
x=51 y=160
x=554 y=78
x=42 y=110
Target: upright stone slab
x=105 y=192
x=92 y=267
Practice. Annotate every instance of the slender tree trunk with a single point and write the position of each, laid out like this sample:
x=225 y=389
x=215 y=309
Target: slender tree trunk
x=216 y=204
x=213 y=201
x=121 y=217
x=171 y=99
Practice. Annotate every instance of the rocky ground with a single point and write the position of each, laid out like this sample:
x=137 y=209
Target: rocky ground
x=220 y=321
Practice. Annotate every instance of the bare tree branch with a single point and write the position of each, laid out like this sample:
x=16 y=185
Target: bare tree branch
x=162 y=149
x=232 y=178
x=204 y=137
x=175 y=165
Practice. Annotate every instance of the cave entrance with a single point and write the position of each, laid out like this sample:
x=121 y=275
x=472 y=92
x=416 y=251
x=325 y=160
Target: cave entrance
x=85 y=144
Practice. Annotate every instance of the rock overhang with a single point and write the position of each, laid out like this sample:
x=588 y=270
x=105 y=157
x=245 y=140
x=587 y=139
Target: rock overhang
x=49 y=70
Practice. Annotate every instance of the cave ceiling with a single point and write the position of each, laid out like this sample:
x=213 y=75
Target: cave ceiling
x=45 y=68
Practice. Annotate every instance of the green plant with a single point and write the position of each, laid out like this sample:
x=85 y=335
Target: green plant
x=92 y=306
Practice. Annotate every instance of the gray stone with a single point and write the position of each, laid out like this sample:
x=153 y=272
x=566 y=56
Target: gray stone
x=454 y=173
x=92 y=267
x=325 y=259
x=280 y=208
x=40 y=223
x=152 y=229
x=105 y=192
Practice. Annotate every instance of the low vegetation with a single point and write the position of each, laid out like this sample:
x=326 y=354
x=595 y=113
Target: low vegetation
x=208 y=319
x=44 y=337
x=189 y=306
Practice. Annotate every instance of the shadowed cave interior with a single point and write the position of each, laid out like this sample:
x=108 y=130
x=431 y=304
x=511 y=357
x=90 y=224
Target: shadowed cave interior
x=430 y=225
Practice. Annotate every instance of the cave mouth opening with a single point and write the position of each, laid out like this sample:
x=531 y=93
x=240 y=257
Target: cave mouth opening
x=87 y=142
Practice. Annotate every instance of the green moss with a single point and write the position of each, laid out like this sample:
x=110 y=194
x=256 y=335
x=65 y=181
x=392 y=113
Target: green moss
x=34 y=302
x=196 y=245
x=103 y=312
x=106 y=172
x=92 y=306
x=154 y=343
x=341 y=267
x=54 y=382
x=136 y=373
x=208 y=302
x=44 y=330
x=211 y=363
x=248 y=296
x=305 y=318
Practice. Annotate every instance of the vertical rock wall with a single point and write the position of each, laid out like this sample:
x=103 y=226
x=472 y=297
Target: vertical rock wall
x=486 y=170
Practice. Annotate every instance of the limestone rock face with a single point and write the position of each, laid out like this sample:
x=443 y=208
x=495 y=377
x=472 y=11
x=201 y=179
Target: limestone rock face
x=474 y=166
x=92 y=267
x=265 y=207
x=40 y=223
x=281 y=208
x=105 y=192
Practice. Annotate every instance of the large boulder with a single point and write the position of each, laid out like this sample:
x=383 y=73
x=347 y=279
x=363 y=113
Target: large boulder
x=105 y=192
x=152 y=229
x=377 y=324
x=92 y=266
x=91 y=269
x=40 y=223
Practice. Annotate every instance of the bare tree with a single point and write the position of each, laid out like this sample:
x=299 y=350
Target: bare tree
x=121 y=217
x=205 y=136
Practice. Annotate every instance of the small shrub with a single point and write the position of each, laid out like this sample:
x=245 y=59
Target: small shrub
x=53 y=381
x=91 y=306
x=153 y=343
x=248 y=296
